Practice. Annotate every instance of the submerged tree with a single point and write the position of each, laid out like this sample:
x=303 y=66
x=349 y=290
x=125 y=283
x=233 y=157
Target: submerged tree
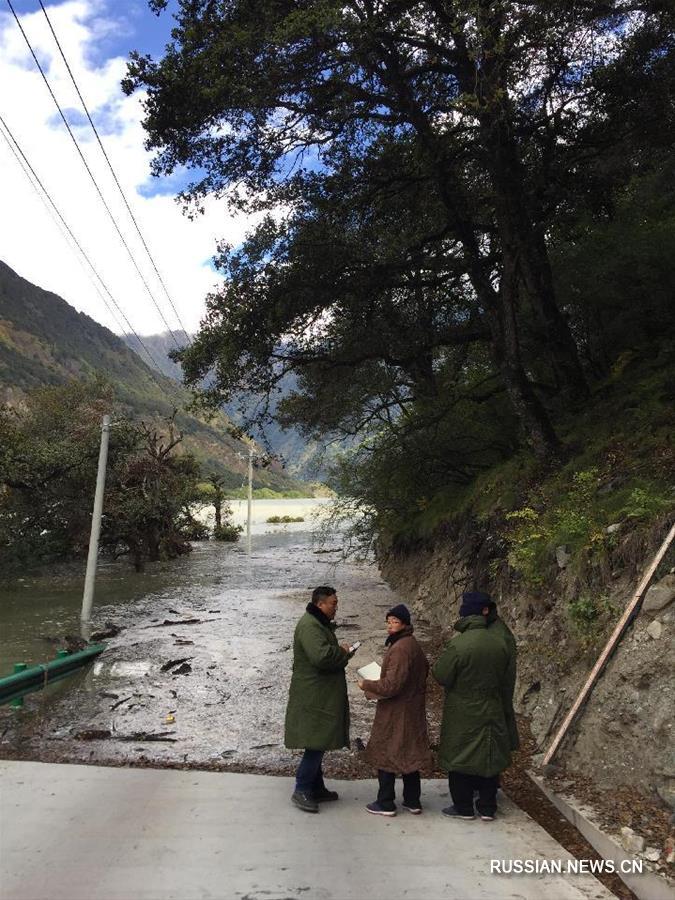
x=48 y=462
x=148 y=506
x=213 y=494
x=48 y=459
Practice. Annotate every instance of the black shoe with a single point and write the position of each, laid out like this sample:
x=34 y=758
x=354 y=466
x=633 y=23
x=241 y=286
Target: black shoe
x=454 y=813
x=488 y=817
x=305 y=802
x=322 y=795
x=414 y=808
x=377 y=810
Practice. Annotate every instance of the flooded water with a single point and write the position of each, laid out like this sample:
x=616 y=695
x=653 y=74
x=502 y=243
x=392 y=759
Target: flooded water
x=37 y=611
x=312 y=510
x=199 y=674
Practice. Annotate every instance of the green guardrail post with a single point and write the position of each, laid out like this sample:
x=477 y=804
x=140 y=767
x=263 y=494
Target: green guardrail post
x=18 y=702
x=60 y=654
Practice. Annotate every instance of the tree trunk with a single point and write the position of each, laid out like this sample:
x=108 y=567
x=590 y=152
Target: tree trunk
x=218 y=508
x=139 y=560
x=519 y=238
x=154 y=544
x=499 y=307
x=527 y=405
x=518 y=229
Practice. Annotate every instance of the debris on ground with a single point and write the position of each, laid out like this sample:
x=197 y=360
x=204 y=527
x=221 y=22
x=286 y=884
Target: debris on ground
x=120 y=702
x=174 y=662
x=183 y=669
x=110 y=631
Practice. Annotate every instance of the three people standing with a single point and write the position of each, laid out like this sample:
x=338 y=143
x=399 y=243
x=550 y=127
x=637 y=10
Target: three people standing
x=478 y=731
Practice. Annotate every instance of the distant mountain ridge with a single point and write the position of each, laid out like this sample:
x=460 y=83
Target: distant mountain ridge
x=44 y=341
x=304 y=458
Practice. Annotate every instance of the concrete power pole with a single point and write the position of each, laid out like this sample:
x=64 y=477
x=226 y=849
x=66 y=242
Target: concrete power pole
x=250 y=500
x=90 y=577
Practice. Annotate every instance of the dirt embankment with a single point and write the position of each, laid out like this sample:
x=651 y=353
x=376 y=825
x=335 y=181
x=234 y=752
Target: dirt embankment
x=619 y=756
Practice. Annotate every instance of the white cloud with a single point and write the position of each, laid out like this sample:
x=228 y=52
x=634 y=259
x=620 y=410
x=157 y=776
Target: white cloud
x=31 y=243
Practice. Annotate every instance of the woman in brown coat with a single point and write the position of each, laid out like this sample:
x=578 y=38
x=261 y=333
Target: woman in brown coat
x=398 y=742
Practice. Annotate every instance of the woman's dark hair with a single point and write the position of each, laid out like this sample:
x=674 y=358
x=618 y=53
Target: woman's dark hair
x=320 y=593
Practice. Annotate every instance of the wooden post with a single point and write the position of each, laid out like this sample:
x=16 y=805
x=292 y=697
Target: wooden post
x=609 y=648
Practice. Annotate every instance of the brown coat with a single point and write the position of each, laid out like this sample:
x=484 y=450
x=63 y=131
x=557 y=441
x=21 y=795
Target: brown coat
x=399 y=742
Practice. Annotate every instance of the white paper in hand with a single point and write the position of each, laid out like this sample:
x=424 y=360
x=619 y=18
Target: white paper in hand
x=371 y=672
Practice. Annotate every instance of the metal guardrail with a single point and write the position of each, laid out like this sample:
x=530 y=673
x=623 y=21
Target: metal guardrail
x=35 y=678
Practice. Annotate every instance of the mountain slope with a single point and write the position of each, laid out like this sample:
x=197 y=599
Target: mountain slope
x=45 y=341
x=304 y=458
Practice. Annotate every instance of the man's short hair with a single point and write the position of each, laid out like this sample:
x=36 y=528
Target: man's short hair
x=321 y=592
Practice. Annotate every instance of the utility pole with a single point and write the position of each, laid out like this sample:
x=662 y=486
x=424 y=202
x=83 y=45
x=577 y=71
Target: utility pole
x=92 y=558
x=250 y=500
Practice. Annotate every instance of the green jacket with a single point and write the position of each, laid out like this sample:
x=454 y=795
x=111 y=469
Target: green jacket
x=500 y=627
x=317 y=715
x=474 y=668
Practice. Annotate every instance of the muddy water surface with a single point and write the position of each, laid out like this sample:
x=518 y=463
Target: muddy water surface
x=199 y=674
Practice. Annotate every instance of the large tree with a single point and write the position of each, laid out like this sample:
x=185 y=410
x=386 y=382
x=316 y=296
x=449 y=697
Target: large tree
x=494 y=95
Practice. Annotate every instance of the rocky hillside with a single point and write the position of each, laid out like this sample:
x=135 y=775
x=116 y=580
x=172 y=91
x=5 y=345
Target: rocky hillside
x=45 y=341
x=562 y=549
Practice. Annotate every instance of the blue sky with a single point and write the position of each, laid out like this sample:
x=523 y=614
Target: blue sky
x=137 y=27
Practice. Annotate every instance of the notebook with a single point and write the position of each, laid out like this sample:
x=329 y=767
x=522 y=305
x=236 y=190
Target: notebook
x=371 y=672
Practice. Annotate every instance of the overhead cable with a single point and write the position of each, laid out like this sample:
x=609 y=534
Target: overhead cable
x=112 y=172
x=91 y=176
x=21 y=156
x=39 y=189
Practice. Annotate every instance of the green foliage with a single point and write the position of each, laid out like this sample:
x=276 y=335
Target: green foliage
x=228 y=533
x=149 y=499
x=571 y=522
x=192 y=529
x=284 y=520
x=644 y=503
x=587 y=613
x=615 y=273
x=266 y=493
x=48 y=462
x=529 y=541
x=574 y=512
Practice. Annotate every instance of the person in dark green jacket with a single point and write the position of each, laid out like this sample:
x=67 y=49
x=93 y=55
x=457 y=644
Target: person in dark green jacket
x=317 y=715
x=500 y=627
x=475 y=745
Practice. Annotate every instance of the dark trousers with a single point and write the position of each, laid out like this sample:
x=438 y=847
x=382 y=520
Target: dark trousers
x=309 y=776
x=387 y=792
x=462 y=787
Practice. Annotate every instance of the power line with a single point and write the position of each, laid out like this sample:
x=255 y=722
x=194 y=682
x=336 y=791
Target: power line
x=91 y=176
x=20 y=155
x=64 y=233
x=112 y=172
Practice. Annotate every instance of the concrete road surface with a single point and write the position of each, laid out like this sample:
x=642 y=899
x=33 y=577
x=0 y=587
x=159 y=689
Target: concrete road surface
x=92 y=833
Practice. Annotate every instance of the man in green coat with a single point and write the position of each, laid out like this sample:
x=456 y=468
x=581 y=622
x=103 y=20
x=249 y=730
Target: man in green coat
x=317 y=715
x=496 y=623
x=475 y=744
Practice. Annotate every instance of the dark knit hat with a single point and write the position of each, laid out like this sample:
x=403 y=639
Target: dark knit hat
x=400 y=612
x=473 y=603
